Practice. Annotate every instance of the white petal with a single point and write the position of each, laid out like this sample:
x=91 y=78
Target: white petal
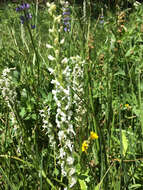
x=49 y=46
x=51 y=58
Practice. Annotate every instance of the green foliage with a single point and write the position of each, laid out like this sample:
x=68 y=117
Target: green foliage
x=103 y=62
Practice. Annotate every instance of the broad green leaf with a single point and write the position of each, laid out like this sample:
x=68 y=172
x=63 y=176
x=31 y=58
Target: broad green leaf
x=34 y=116
x=125 y=142
x=83 y=185
x=22 y=112
x=49 y=97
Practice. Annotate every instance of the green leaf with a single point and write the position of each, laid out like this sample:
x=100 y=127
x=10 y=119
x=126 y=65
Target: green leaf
x=120 y=72
x=16 y=74
x=129 y=52
x=56 y=172
x=117 y=186
x=23 y=37
x=83 y=185
x=124 y=142
x=113 y=40
x=34 y=116
x=24 y=93
x=29 y=107
x=34 y=59
x=49 y=98
x=22 y=112
x=48 y=180
x=97 y=187
x=7 y=180
x=135 y=186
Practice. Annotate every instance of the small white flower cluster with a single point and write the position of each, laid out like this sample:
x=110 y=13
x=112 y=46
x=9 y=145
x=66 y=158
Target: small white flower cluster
x=47 y=126
x=68 y=93
x=63 y=99
x=53 y=50
x=7 y=87
x=9 y=94
x=51 y=8
x=14 y=123
x=78 y=85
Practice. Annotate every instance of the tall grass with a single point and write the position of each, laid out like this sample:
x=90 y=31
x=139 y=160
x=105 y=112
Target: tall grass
x=71 y=98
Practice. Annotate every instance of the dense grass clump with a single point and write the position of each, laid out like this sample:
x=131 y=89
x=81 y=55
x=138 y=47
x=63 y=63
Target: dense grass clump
x=71 y=96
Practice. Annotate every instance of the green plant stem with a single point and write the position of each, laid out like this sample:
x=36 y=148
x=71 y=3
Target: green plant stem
x=37 y=57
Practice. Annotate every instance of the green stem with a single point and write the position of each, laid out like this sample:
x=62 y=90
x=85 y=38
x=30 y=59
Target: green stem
x=37 y=55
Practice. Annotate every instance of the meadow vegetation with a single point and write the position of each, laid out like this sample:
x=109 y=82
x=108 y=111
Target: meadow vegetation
x=71 y=96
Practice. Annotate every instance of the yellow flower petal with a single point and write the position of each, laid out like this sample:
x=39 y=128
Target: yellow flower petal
x=93 y=135
x=85 y=146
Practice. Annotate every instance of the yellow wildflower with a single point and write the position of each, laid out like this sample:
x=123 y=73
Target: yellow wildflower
x=126 y=105
x=93 y=135
x=85 y=146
